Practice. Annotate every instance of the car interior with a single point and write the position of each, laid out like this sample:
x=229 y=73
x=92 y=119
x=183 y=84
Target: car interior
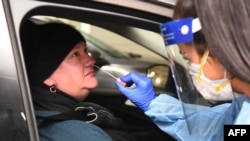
x=122 y=37
x=106 y=94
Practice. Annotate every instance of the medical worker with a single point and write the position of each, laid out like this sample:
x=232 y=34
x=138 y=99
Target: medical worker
x=227 y=31
x=180 y=119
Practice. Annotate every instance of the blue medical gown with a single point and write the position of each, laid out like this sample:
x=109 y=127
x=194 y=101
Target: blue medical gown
x=205 y=123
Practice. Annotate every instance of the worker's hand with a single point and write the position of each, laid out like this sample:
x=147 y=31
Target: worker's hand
x=141 y=94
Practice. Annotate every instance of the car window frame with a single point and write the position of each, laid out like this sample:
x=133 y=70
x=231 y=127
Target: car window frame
x=15 y=17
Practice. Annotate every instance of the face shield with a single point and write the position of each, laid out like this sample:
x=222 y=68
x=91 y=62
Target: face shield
x=174 y=33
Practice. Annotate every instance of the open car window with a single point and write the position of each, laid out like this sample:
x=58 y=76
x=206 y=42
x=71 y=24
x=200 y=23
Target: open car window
x=135 y=29
x=115 y=53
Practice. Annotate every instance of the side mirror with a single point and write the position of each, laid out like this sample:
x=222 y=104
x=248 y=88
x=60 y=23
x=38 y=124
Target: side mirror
x=159 y=75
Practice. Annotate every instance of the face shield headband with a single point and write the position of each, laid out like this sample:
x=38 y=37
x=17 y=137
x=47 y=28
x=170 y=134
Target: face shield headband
x=179 y=31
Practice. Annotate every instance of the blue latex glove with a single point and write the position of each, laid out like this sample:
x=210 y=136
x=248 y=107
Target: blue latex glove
x=143 y=92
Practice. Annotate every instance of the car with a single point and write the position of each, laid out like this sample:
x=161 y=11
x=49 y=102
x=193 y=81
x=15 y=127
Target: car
x=122 y=36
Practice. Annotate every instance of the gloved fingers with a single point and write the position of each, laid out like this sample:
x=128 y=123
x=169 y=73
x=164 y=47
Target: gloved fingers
x=120 y=86
x=141 y=97
x=126 y=78
x=141 y=81
x=135 y=79
x=128 y=92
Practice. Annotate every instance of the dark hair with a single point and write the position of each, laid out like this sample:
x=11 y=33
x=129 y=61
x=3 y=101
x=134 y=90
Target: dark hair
x=184 y=9
x=226 y=28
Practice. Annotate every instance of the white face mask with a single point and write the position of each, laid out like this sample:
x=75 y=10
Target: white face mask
x=216 y=90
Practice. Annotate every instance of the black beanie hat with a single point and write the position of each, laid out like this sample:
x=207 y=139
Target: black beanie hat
x=45 y=47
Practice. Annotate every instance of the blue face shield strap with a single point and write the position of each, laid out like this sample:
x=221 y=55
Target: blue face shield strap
x=179 y=31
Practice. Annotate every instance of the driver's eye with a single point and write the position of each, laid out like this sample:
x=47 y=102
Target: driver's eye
x=76 y=54
x=86 y=50
x=185 y=58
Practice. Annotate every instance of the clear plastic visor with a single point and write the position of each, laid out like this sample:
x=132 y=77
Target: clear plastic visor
x=174 y=33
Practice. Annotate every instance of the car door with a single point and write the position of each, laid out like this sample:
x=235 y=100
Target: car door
x=17 y=120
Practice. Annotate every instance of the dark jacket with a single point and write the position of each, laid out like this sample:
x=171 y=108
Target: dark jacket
x=69 y=130
x=74 y=126
x=47 y=104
